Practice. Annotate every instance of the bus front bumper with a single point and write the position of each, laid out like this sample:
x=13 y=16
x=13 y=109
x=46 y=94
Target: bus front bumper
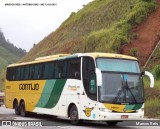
x=120 y=116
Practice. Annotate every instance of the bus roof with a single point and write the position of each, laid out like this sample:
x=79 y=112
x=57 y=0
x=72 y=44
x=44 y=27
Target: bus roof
x=67 y=56
x=110 y=55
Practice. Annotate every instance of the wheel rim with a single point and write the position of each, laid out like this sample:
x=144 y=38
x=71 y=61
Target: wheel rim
x=74 y=114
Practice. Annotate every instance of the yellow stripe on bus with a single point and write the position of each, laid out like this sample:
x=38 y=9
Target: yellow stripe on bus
x=117 y=107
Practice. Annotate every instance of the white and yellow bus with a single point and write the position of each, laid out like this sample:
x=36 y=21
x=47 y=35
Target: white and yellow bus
x=84 y=86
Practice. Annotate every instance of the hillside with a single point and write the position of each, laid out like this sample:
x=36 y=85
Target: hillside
x=8 y=54
x=102 y=25
x=145 y=37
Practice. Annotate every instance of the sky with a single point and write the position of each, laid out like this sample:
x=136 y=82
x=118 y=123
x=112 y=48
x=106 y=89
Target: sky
x=27 y=22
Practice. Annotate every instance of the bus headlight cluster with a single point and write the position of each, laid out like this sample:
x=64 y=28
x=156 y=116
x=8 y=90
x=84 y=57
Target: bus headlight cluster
x=102 y=116
x=140 y=110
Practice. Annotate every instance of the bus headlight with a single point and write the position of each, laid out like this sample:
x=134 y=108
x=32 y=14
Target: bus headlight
x=140 y=110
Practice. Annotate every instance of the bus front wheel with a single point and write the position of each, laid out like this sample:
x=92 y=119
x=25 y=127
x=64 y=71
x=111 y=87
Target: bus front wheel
x=16 y=107
x=23 y=109
x=74 y=116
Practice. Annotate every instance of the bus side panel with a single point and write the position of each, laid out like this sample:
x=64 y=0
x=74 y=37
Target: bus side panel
x=76 y=94
x=28 y=91
x=73 y=90
x=51 y=98
x=69 y=95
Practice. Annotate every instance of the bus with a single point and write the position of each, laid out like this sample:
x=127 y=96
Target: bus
x=83 y=86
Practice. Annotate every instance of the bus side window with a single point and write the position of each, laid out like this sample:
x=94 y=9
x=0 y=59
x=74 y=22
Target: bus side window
x=49 y=70
x=17 y=73
x=26 y=72
x=55 y=74
x=62 y=69
x=31 y=72
x=37 y=71
x=88 y=72
x=74 y=68
x=21 y=73
x=35 y=75
x=65 y=66
x=10 y=74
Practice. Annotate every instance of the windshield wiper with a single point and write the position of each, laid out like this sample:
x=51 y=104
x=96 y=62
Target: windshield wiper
x=124 y=88
x=127 y=88
x=120 y=92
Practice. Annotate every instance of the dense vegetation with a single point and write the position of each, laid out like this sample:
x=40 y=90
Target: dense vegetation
x=8 y=54
x=102 y=25
x=152 y=96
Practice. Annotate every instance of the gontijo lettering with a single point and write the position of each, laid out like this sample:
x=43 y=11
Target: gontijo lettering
x=29 y=86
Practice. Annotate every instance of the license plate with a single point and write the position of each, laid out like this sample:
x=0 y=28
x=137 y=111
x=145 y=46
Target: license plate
x=124 y=116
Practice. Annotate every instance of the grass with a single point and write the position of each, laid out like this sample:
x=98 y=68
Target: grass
x=147 y=83
x=152 y=96
x=152 y=108
x=152 y=99
x=112 y=38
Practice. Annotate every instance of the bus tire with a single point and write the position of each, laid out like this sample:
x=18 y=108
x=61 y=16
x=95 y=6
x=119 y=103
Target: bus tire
x=74 y=115
x=112 y=123
x=16 y=107
x=23 y=109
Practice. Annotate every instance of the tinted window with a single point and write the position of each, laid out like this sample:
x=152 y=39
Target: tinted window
x=26 y=72
x=10 y=73
x=38 y=71
x=49 y=70
x=62 y=67
x=74 y=66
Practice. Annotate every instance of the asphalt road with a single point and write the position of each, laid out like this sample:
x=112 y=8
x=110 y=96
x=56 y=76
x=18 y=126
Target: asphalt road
x=50 y=122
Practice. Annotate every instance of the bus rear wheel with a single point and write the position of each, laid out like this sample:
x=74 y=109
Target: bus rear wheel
x=23 y=109
x=16 y=108
x=74 y=115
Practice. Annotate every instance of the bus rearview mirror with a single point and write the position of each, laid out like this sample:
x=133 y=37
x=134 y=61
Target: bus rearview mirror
x=151 y=78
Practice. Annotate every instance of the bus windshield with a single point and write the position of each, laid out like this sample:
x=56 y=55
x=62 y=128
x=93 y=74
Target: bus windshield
x=121 y=81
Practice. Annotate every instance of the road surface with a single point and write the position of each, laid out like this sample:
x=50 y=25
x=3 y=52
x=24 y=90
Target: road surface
x=7 y=115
